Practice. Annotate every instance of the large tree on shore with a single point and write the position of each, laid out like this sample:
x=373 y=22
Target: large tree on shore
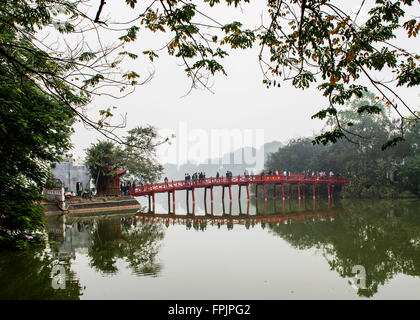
x=34 y=130
x=104 y=158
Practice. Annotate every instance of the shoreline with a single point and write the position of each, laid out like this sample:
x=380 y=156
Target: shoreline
x=100 y=204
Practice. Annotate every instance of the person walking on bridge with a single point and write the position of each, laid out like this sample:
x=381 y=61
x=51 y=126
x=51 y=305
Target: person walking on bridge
x=229 y=175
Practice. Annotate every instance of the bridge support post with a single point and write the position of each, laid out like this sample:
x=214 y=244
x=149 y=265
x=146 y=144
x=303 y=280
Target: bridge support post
x=193 y=198
x=223 y=207
x=173 y=201
x=329 y=194
x=169 y=202
x=298 y=186
x=282 y=191
x=230 y=194
x=188 y=202
x=313 y=190
x=332 y=192
x=205 y=194
x=265 y=193
x=319 y=188
x=223 y=194
x=274 y=192
x=304 y=191
x=239 y=193
x=150 y=205
x=256 y=191
x=274 y=203
x=290 y=191
x=247 y=191
x=211 y=194
x=153 y=197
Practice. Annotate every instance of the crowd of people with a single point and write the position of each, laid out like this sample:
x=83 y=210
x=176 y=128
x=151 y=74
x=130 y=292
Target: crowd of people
x=127 y=187
x=308 y=174
x=199 y=177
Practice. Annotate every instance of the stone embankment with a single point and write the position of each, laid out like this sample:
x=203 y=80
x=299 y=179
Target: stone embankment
x=96 y=204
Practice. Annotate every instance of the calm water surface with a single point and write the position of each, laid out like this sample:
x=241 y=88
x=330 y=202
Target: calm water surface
x=277 y=250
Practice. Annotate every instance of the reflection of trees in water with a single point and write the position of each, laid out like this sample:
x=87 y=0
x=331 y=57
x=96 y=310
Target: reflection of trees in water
x=125 y=238
x=28 y=275
x=292 y=205
x=381 y=236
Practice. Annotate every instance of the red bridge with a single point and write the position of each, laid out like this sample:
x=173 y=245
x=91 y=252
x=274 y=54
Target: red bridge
x=227 y=182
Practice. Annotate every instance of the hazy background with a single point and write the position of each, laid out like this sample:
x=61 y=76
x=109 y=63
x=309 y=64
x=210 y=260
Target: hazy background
x=240 y=100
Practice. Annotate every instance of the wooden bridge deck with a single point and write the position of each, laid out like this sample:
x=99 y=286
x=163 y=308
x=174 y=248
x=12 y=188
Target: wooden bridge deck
x=235 y=180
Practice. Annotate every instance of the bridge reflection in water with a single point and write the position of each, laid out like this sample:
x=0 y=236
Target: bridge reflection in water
x=269 y=212
x=382 y=236
x=242 y=219
x=241 y=206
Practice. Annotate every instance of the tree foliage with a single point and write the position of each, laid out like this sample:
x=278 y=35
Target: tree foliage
x=140 y=155
x=31 y=274
x=106 y=157
x=103 y=159
x=34 y=130
x=135 y=242
x=307 y=42
x=382 y=236
x=372 y=171
x=303 y=41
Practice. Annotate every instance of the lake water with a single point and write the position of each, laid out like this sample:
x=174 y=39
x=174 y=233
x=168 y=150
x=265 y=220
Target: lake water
x=277 y=250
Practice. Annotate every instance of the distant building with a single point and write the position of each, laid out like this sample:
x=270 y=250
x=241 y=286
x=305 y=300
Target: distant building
x=73 y=174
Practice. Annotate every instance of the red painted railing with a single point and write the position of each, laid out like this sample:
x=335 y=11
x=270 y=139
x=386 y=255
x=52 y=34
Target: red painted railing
x=234 y=180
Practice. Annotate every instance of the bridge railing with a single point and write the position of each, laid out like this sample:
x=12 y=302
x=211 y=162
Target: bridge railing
x=234 y=180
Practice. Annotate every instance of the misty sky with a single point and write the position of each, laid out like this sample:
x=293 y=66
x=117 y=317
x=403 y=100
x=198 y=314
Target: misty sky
x=240 y=100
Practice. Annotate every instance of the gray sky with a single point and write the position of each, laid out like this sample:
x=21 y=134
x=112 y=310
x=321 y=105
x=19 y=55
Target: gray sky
x=240 y=100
